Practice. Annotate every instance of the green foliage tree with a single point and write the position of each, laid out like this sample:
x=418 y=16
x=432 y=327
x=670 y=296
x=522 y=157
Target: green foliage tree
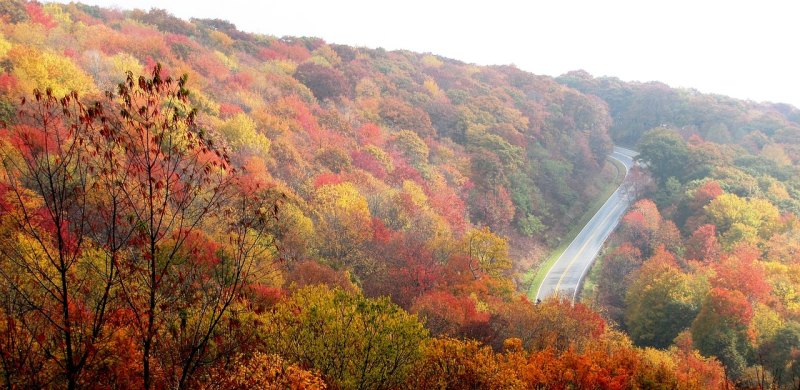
x=720 y=330
x=660 y=303
x=780 y=355
x=530 y=225
x=664 y=152
x=411 y=146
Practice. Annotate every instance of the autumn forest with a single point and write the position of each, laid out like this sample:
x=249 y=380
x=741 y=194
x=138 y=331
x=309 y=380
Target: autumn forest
x=187 y=205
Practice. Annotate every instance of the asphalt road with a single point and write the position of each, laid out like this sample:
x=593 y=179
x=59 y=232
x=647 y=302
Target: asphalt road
x=566 y=274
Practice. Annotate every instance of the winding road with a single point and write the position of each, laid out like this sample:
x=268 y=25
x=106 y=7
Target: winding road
x=566 y=274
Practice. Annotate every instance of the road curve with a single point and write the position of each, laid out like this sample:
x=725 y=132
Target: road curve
x=565 y=276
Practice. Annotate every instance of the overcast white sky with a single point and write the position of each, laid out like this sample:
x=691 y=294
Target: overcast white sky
x=745 y=49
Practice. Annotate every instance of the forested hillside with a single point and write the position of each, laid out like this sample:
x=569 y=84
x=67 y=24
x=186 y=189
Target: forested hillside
x=637 y=107
x=710 y=256
x=186 y=205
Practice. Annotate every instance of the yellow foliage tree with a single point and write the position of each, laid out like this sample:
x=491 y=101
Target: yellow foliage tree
x=295 y=232
x=220 y=38
x=229 y=62
x=742 y=220
x=240 y=131
x=343 y=225
x=356 y=342
x=415 y=193
x=43 y=70
x=5 y=46
x=433 y=88
x=487 y=252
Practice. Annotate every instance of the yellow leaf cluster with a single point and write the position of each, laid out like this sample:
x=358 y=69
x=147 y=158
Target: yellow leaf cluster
x=432 y=61
x=283 y=67
x=415 y=193
x=344 y=199
x=240 y=131
x=5 y=46
x=57 y=12
x=229 y=62
x=327 y=55
x=124 y=62
x=42 y=70
x=220 y=38
x=488 y=250
x=433 y=88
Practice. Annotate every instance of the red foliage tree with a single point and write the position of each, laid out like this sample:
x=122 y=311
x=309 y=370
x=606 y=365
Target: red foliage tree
x=404 y=171
x=412 y=269
x=705 y=194
x=447 y=315
x=554 y=323
x=243 y=80
x=450 y=206
x=703 y=245
x=37 y=15
x=327 y=179
x=743 y=274
x=281 y=50
x=8 y=84
x=370 y=133
x=368 y=162
x=227 y=110
x=640 y=226
x=174 y=181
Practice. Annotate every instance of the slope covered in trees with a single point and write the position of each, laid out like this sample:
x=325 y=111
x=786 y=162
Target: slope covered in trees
x=183 y=204
x=708 y=257
x=637 y=107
